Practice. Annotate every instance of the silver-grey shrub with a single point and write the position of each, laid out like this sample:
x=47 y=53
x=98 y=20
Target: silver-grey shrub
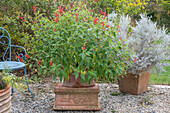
x=151 y=45
x=150 y=42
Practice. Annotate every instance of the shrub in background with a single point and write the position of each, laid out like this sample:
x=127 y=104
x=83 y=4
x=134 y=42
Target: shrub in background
x=159 y=10
x=14 y=13
x=130 y=7
x=165 y=15
x=17 y=16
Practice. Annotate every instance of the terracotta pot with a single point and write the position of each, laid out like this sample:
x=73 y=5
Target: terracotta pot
x=85 y=98
x=74 y=95
x=73 y=82
x=5 y=100
x=135 y=84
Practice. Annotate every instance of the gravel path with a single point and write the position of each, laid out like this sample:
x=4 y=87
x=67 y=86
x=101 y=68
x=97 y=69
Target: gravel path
x=156 y=100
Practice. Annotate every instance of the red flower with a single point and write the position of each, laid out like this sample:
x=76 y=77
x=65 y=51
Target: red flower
x=77 y=17
x=118 y=26
x=32 y=21
x=34 y=8
x=86 y=20
x=107 y=26
x=27 y=56
x=102 y=12
x=60 y=10
x=51 y=63
x=89 y=10
x=56 y=20
x=56 y=14
x=135 y=60
x=22 y=18
x=93 y=10
x=95 y=20
x=103 y=24
x=21 y=60
x=84 y=47
x=55 y=30
x=119 y=31
x=39 y=63
x=18 y=57
x=96 y=0
x=72 y=5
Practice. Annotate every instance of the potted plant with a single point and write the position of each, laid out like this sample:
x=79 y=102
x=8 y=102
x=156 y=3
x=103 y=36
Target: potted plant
x=5 y=96
x=77 y=46
x=150 y=45
x=6 y=81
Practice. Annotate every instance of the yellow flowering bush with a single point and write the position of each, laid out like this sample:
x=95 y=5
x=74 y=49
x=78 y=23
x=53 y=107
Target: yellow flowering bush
x=130 y=7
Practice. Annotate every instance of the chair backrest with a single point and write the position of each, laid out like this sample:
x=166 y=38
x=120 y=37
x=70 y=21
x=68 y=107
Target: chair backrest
x=4 y=35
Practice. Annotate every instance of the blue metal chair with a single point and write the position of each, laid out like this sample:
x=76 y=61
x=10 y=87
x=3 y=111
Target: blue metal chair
x=12 y=65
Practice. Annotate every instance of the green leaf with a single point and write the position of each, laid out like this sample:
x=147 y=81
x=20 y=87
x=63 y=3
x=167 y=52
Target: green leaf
x=54 y=77
x=57 y=73
x=45 y=71
x=81 y=63
x=82 y=76
x=76 y=74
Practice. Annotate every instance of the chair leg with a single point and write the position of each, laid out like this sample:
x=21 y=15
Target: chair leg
x=28 y=83
x=12 y=82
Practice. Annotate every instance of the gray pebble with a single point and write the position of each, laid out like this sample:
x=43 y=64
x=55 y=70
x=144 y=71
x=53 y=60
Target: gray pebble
x=123 y=103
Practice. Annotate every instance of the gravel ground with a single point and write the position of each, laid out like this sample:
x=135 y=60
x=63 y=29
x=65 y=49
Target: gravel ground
x=156 y=100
